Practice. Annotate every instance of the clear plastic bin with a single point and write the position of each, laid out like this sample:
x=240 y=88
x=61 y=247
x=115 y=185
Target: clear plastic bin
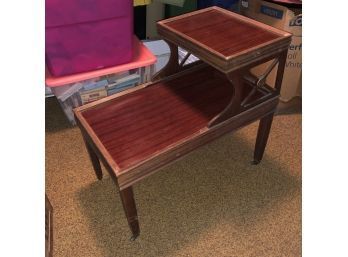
x=78 y=89
x=76 y=94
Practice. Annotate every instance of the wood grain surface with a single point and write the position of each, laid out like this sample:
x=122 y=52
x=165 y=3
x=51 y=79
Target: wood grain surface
x=221 y=32
x=155 y=125
x=223 y=39
x=136 y=132
x=137 y=125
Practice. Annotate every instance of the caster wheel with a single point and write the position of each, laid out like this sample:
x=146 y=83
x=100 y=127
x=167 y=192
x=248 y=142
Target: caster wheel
x=133 y=237
x=255 y=162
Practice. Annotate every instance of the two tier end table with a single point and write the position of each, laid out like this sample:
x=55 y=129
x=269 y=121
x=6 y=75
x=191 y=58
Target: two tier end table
x=138 y=131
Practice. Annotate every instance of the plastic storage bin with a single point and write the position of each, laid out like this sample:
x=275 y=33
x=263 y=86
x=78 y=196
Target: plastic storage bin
x=78 y=89
x=87 y=35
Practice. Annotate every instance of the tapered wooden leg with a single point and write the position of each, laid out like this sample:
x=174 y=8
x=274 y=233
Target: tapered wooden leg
x=130 y=210
x=262 y=137
x=95 y=161
x=280 y=71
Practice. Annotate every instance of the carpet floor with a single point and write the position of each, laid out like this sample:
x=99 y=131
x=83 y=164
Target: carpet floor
x=213 y=202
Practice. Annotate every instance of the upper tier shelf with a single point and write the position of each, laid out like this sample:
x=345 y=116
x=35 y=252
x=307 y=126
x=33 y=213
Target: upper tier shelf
x=223 y=39
x=141 y=124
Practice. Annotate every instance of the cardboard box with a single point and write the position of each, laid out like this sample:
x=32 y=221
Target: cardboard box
x=288 y=19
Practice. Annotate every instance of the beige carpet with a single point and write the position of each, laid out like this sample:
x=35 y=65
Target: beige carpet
x=211 y=203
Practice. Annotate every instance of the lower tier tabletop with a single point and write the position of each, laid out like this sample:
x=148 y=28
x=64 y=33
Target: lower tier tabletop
x=137 y=126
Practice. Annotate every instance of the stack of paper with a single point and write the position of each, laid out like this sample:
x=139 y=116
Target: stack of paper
x=93 y=91
x=123 y=83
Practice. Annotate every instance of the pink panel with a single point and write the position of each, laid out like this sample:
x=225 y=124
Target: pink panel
x=65 y=12
x=141 y=57
x=102 y=38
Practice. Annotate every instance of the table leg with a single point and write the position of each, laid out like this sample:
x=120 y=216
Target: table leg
x=95 y=161
x=280 y=71
x=262 y=137
x=130 y=210
x=266 y=122
x=173 y=63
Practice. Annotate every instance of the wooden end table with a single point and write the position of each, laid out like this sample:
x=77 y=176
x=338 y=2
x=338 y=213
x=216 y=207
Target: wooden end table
x=137 y=131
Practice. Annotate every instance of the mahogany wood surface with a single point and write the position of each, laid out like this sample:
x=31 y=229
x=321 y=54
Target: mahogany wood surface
x=225 y=40
x=172 y=65
x=136 y=126
x=128 y=202
x=135 y=174
x=222 y=32
x=160 y=123
x=262 y=137
x=95 y=161
x=135 y=132
x=234 y=105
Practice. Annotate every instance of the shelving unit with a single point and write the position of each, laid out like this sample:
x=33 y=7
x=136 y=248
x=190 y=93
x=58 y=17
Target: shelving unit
x=185 y=106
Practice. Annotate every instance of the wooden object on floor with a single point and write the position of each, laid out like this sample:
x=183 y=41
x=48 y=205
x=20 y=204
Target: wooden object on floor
x=136 y=132
x=48 y=228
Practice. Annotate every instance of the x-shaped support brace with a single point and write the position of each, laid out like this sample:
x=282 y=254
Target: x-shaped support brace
x=257 y=82
x=238 y=78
